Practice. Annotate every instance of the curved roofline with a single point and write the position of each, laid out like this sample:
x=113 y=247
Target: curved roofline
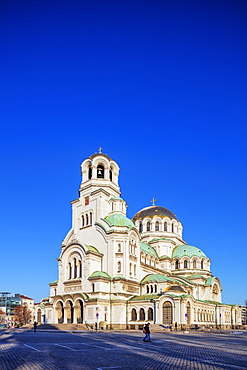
x=100 y=155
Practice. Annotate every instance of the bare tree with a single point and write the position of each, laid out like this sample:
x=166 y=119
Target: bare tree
x=22 y=314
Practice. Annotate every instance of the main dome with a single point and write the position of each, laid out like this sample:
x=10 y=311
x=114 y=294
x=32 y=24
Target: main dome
x=153 y=211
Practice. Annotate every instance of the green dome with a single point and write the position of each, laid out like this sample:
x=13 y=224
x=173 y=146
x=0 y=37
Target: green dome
x=118 y=219
x=156 y=278
x=148 y=249
x=187 y=250
x=99 y=274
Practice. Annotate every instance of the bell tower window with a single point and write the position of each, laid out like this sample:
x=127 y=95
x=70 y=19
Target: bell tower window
x=110 y=175
x=140 y=227
x=100 y=172
x=89 y=173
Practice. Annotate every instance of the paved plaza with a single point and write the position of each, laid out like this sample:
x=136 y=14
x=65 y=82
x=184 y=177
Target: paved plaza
x=22 y=349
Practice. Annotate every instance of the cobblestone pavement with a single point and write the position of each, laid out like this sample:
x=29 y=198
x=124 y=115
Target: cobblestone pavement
x=25 y=350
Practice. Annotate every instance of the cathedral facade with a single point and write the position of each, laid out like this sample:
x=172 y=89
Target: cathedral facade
x=121 y=273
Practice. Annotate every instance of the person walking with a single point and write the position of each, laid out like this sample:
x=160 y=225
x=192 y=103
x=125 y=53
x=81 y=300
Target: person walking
x=35 y=324
x=146 y=330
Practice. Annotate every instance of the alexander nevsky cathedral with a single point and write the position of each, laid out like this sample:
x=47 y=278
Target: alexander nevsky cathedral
x=121 y=273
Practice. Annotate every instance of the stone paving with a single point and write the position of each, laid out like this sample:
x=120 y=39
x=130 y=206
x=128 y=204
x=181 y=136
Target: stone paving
x=25 y=350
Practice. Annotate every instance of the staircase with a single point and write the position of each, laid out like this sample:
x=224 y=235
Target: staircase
x=158 y=327
x=67 y=327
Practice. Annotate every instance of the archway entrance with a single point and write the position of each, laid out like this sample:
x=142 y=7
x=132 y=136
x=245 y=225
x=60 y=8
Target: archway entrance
x=39 y=315
x=69 y=312
x=60 y=312
x=188 y=313
x=167 y=313
x=79 y=311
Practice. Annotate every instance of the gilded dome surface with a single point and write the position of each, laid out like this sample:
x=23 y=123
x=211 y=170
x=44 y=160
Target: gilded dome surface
x=153 y=211
x=187 y=250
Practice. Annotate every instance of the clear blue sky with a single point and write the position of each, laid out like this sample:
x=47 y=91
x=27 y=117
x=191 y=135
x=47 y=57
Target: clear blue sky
x=161 y=86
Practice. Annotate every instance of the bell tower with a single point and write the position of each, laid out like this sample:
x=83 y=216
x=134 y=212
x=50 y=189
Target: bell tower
x=99 y=183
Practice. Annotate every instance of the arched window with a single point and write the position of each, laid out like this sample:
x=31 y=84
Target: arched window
x=75 y=269
x=185 y=264
x=70 y=271
x=82 y=221
x=148 y=226
x=100 y=172
x=89 y=173
x=119 y=247
x=133 y=314
x=130 y=268
x=93 y=288
x=155 y=288
x=150 y=314
x=172 y=228
x=202 y=265
x=110 y=174
x=176 y=265
x=91 y=218
x=140 y=227
x=86 y=219
x=119 y=266
x=142 y=314
x=135 y=270
x=157 y=226
x=151 y=289
x=194 y=264
x=165 y=226
x=147 y=289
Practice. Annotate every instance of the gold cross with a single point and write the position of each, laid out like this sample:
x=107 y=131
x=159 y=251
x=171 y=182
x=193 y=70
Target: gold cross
x=100 y=149
x=152 y=201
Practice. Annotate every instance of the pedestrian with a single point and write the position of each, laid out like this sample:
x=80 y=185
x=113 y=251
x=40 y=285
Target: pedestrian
x=146 y=330
x=35 y=324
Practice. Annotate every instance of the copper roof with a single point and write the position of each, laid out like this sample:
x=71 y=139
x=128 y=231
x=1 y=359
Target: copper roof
x=153 y=211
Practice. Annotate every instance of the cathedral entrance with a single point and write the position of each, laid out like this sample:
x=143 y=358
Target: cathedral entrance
x=60 y=312
x=167 y=313
x=79 y=311
x=188 y=313
x=39 y=315
x=70 y=312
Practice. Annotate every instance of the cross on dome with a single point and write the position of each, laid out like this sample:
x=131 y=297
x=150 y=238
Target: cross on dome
x=100 y=149
x=152 y=201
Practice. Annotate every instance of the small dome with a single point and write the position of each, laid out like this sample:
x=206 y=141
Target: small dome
x=174 y=288
x=153 y=211
x=100 y=155
x=187 y=250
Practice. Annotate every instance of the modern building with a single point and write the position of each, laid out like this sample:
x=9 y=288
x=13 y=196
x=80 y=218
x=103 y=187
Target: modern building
x=8 y=303
x=120 y=272
x=243 y=314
